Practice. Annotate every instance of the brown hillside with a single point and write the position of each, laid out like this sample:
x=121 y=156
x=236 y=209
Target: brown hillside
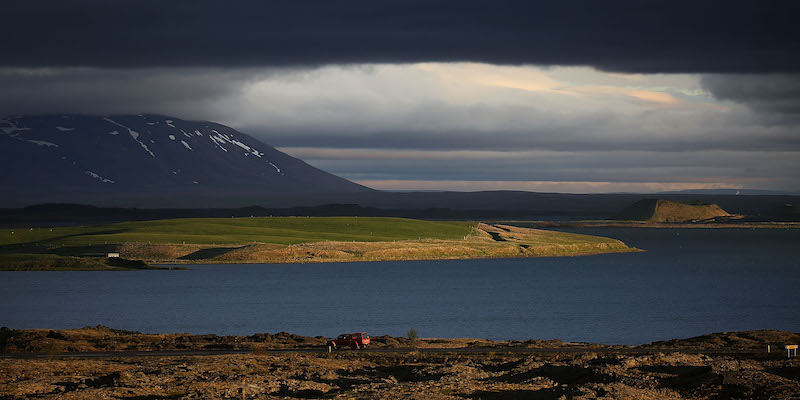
x=655 y=210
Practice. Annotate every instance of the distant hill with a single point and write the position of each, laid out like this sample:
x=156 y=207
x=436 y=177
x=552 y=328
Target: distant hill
x=657 y=210
x=144 y=160
x=440 y=205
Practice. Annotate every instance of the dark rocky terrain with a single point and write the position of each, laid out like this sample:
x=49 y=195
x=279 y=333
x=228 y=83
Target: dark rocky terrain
x=717 y=366
x=104 y=339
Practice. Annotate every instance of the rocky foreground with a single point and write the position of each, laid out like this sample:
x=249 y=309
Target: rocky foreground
x=722 y=365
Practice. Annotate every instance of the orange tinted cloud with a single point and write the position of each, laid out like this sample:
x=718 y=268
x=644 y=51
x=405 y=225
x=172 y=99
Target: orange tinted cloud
x=654 y=97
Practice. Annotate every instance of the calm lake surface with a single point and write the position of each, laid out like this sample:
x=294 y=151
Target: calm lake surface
x=689 y=282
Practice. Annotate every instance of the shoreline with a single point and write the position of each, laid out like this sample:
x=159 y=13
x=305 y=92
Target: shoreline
x=483 y=242
x=94 y=339
x=163 y=266
x=710 y=366
x=659 y=225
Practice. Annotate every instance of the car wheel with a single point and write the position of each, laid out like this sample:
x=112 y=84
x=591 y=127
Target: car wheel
x=354 y=346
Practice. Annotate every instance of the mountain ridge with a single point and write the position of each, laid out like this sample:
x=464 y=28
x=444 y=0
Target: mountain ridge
x=75 y=157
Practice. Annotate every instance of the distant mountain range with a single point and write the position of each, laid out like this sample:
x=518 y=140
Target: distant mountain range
x=159 y=162
x=147 y=160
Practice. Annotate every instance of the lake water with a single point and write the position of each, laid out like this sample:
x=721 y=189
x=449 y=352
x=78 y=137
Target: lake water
x=689 y=282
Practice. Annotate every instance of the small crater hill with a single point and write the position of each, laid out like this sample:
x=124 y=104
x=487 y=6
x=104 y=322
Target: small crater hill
x=656 y=210
x=83 y=158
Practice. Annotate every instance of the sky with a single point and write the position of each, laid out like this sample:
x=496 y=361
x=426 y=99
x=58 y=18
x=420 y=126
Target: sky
x=549 y=96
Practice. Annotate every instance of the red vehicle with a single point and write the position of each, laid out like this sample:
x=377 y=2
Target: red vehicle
x=354 y=341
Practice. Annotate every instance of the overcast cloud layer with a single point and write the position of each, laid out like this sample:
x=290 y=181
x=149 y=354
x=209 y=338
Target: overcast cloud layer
x=467 y=126
x=626 y=96
x=619 y=35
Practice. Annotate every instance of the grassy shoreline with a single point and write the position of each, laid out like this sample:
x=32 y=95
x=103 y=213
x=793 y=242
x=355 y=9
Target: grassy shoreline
x=52 y=262
x=284 y=240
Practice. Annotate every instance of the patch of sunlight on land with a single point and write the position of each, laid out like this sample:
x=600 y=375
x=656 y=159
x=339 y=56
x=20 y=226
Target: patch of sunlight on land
x=288 y=239
x=280 y=230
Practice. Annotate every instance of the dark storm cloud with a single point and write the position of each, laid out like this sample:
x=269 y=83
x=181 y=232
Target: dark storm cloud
x=628 y=35
x=772 y=93
x=112 y=91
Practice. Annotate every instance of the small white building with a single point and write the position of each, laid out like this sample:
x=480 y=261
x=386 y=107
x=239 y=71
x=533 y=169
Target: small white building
x=113 y=255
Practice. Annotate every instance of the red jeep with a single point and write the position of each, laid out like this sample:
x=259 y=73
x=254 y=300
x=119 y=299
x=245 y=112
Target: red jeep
x=353 y=340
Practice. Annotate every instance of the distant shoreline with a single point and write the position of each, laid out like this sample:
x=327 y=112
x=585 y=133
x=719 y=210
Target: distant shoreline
x=104 y=339
x=640 y=224
x=99 y=362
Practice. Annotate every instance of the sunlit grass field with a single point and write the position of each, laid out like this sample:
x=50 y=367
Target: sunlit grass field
x=278 y=230
x=280 y=240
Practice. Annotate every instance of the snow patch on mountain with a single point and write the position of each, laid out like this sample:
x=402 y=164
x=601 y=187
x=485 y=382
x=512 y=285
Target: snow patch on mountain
x=95 y=176
x=246 y=147
x=134 y=134
x=43 y=143
x=187 y=145
x=169 y=123
x=113 y=133
x=64 y=129
x=218 y=142
x=8 y=130
x=171 y=137
x=221 y=138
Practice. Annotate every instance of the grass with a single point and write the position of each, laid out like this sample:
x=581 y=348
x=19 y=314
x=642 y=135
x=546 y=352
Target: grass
x=284 y=239
x=278 y=230
x=543 y=243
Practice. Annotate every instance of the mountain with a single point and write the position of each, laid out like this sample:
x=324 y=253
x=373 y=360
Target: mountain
x=656 y=210
x=154 y=161
x=148 y=160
